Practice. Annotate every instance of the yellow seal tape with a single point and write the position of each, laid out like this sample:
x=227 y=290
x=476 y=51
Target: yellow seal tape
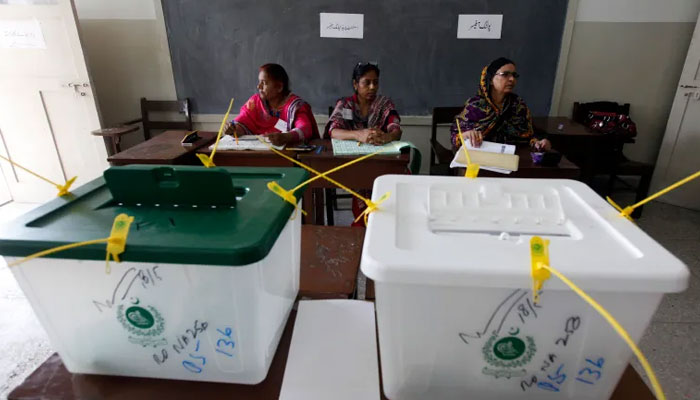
x=62 y=189
x=538 y=265
x=208 y=160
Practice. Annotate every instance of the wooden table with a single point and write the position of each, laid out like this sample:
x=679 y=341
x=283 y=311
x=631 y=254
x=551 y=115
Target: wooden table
x=163 y=149
x=356 y=176
x=527 y=169
x=52 y=381
x=249 y=158
x=330 y=259
x=572 y=139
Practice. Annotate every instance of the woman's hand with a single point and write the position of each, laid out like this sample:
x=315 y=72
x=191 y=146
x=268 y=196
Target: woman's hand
x=543 y=145
x=280 y=138
x=366 y=135
x=474 y=137
x=378 y=137
x=230 y=129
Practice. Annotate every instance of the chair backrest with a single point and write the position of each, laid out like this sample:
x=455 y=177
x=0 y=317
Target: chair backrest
x=581 y=110
x=443 y=115
x=180 y=106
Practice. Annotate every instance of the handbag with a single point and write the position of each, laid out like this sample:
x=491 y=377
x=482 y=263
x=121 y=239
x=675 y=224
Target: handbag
x=611 y=123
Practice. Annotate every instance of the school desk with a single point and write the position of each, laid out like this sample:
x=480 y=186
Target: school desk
x=528 y=169
x=163 y=149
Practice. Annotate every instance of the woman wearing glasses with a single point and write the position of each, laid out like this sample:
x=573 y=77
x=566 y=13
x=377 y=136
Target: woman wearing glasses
x=365 y=116
x=496 y=113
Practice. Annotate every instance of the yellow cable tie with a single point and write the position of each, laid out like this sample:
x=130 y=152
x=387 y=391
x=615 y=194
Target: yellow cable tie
x=208 y=160
x=286 y=195
x=62 y=189
x=56 y=250
x=540 y=255
x=306 y=167
x=472 y=169
x=116 y=243
x=624 y=212
x=372 y=207
x=627 y=211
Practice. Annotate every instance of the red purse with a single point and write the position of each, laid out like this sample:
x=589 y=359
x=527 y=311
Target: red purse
x=611 y=123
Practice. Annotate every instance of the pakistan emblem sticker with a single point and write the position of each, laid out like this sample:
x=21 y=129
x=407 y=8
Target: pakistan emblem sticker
x=508 y=354
x=141 y=321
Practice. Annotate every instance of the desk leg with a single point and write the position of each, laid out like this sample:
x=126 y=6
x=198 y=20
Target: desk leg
x=318 y=207
x=307 y=206
x=588 y=171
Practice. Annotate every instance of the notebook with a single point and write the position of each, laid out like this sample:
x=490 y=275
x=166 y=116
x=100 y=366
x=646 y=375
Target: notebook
x=351 y=147
x=248 y=142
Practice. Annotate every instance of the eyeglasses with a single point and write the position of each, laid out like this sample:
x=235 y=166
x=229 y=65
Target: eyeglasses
x=363 y=64
x=508 y=74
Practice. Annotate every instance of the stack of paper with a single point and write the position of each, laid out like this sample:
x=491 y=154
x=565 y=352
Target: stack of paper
x=248 y=142
x=487 y=147
x=333 y=354
x=353 y=148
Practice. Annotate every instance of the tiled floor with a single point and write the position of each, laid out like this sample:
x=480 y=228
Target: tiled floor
x=23 y=342
x=672 y=342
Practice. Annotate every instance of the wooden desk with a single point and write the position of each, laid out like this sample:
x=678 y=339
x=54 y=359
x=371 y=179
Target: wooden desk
x=527 y=169
x=330 y=259
x=356 y=176
x=163 y=149
x=52 y=381
x=574 y=140
x=248 y=158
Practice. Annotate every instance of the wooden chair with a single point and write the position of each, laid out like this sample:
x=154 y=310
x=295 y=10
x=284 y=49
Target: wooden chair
x=112 y=136
x=440 y=157
x=331 y=195
x=612 y=161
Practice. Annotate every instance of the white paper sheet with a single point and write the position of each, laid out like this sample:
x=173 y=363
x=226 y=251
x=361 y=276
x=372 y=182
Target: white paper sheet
x=489 y=147
x=479 y=26
x=348 y=26
x=248 y=142
x=333 y=354
x=21 y=34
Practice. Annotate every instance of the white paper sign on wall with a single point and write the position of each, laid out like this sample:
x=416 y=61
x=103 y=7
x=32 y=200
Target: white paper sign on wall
x=347 y=26
x=21 y=34
x=479 y=26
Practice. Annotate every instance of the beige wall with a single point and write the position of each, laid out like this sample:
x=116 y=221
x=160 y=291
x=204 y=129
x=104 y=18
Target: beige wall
x=128 y=58
x=628 y=62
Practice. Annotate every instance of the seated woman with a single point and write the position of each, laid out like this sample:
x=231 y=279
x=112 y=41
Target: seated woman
x=496 y=113
x=275 y=111
x=365 y=116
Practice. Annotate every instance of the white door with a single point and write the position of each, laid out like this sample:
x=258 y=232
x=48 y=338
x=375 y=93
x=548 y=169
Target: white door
x=678 y=156
x=5 y=196
x=47 y=103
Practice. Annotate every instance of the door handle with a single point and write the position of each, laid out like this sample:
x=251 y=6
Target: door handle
x=78 y=86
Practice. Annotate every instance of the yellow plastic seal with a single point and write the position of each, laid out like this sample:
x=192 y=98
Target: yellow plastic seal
x=116 y=243
x=286 y=195
x=539 y=256
x=472 y=169
x=62 y=189
x=208 y=160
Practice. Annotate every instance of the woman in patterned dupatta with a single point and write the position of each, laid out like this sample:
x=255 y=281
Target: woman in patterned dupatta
x=366 y=117
x=275 y=111
x=496 y=113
